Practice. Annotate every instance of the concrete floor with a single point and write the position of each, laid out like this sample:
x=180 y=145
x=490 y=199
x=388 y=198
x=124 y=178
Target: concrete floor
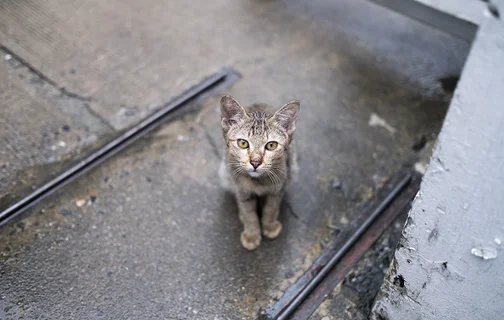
x=160 y=239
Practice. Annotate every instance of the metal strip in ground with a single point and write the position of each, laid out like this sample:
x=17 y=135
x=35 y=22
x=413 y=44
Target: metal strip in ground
x=350 y=259
x=296 y=294
x=221 y=79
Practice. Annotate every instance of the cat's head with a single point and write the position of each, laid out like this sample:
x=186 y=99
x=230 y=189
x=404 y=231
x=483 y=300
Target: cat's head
x=256 y=141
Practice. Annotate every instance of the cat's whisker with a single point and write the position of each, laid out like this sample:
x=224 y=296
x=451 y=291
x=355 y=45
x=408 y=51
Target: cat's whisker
x=272 y=179
x=278 y=169
x=236 y=171
x=277 y=182
x=231 y=164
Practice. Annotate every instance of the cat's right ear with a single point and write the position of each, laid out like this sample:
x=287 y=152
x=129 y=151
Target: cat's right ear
x=231 y=112
x=287 y=115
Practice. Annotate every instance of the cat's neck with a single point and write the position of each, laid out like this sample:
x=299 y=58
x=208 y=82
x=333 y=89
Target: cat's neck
x=262 y=185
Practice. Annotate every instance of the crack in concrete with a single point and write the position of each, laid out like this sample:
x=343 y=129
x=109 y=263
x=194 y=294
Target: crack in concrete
x=93 y=113
x=45 y=78
x=70 y=94
x=70 y=103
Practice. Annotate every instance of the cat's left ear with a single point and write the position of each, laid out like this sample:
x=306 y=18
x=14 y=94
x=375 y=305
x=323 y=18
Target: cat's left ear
x=231 y=112
x=287 y=115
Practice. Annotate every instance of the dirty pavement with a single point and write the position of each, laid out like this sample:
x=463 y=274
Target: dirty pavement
x=149 y=234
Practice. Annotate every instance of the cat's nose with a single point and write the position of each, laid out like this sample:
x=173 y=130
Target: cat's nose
x=255 y=164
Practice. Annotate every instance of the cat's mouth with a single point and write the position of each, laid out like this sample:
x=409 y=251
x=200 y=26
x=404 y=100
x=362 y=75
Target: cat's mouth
x=254 y=171
x=254 y=174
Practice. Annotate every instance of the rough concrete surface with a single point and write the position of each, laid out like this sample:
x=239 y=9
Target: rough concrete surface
x=121 y=64
x=449 y=263
x=471 y=11
x=354 y=296
x=42 y=130
x=157 y=237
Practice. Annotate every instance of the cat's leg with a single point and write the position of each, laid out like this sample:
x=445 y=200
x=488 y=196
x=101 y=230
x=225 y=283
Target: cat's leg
x=271 y=227
x=251 y=236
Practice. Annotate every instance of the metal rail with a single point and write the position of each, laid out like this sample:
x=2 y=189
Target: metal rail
x=301 y=296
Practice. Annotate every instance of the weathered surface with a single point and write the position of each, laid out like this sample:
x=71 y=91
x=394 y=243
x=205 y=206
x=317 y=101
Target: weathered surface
x=471 y=11
x=453 y=17
x=130 y=58
x=353 y=298
x=120 y=60
x=459 y=207
x=161 y=239
x=42 y=130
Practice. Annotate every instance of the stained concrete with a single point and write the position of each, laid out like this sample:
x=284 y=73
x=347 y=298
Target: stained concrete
x=43 y=130
x=354 y=296
x=457 y=18
x=471 y=11
x=120 y=65
x=458 y=211
x=159 y=238
x=133 y=59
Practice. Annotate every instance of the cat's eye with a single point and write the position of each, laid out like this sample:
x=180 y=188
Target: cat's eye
x=242 y=143
x=272 y=145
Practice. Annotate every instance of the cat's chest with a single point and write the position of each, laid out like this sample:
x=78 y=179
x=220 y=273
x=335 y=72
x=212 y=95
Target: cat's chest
x=257 y=187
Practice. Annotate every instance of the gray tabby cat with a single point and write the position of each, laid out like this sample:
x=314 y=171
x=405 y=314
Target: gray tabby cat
x=260 y=162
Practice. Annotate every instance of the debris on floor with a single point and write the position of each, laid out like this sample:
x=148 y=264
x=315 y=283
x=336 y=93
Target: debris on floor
x=376 y=121
x=336 y=184
x=80 y=202
x=486 y=253
x=420 y=167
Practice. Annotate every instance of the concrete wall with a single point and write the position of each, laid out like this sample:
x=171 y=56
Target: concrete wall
x=437 y=273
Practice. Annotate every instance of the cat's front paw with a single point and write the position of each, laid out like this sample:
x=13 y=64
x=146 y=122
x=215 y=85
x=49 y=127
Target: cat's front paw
x=250 y=241
x=272 y=230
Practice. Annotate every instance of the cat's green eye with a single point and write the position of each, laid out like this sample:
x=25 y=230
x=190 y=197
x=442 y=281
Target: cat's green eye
x=242 y=143
x=272 y=145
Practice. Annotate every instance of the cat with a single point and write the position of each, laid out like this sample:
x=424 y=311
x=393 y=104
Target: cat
x=260 y=162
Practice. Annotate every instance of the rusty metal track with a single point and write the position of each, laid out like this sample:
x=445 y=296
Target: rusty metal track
x=310 y=290
x=211 y=85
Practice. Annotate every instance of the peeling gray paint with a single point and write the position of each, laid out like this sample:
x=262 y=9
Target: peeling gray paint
x=460 y=205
